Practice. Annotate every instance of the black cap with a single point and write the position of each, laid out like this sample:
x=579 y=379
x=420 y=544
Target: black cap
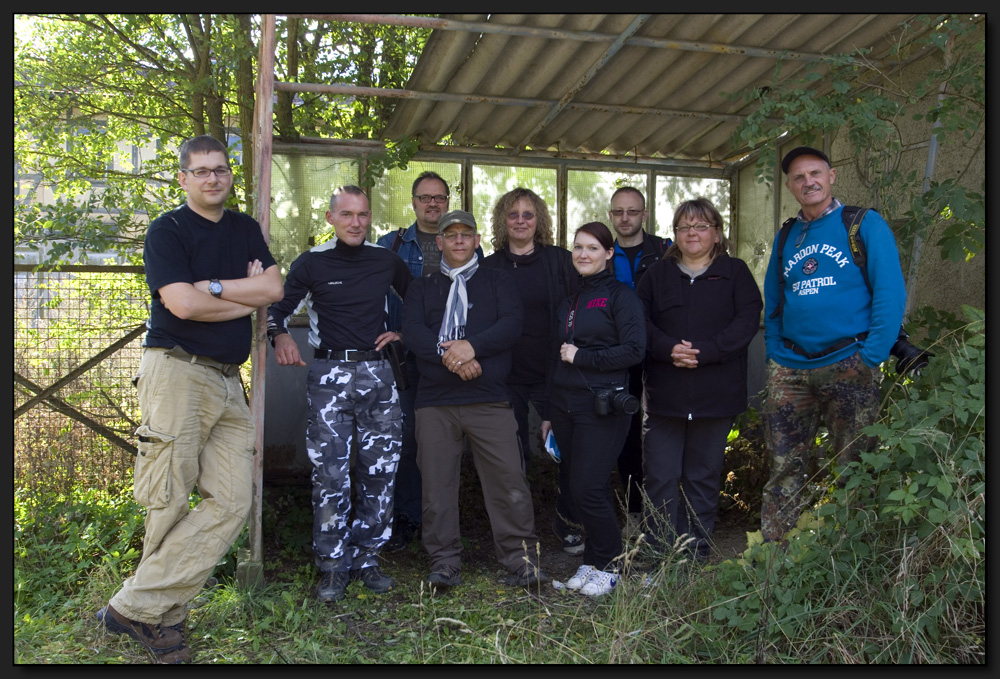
x=802 y=151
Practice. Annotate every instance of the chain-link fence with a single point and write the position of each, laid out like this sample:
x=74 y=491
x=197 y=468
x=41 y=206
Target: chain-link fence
x=77 y=344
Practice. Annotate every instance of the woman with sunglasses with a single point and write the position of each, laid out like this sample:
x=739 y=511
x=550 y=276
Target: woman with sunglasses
x=602 y=333
x=702 y=310
x=544 y=276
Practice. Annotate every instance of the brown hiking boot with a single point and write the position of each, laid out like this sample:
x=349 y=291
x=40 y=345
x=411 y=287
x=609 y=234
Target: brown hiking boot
x=182 y=655
x=156 y=639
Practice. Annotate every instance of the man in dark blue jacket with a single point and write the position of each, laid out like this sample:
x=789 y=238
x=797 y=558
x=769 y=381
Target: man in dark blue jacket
x=460 y=324
x=635 y=251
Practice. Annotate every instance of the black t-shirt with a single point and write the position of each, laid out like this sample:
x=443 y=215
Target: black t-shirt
x=530 y=350
x=429 y=248
x=632 y=252
x=183 y=247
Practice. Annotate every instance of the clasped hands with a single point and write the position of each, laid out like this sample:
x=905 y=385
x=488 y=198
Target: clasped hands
x=460 y=358
x=684 y=355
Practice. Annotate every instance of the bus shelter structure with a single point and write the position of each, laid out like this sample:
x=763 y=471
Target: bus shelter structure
x=651 y=95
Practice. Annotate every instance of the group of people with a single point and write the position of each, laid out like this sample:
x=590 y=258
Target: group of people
x=631 y=348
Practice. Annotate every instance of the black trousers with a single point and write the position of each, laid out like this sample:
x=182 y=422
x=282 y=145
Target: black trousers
x=521 y=397
x=630 y=459
x=682 y=463
x=590 y=444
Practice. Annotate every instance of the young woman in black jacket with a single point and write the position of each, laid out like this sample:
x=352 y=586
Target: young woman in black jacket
x=702 y=309
x=602 y=333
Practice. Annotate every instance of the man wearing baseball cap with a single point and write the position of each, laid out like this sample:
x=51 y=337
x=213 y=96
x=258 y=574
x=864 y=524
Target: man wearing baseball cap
x=461 y=323
x=417 y=246
x=825 y=334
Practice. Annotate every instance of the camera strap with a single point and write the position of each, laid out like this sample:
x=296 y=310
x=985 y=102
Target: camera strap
x=570 y=324
x=571 y=317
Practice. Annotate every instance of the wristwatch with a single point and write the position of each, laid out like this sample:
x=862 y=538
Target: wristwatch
x=215 y=287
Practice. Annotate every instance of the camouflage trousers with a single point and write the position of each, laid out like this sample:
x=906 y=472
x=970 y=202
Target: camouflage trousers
x=844 y=396
x=348 y=400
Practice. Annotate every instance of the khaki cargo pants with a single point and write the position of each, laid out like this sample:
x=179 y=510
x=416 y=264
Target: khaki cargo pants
x=196 y=429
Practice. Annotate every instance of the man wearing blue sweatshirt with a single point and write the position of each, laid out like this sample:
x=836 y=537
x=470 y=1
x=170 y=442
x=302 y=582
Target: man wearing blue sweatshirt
x=825 y=335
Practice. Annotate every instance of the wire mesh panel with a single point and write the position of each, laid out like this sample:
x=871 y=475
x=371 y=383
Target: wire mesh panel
x=392 y=206
x=77 y=345
x=300 y=196
x=492 y=181
x=756 y=223
x=672 y=191
x=590 y=194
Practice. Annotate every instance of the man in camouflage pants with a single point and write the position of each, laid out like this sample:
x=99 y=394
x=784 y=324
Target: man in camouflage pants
x=350 y=391
x=826 y=332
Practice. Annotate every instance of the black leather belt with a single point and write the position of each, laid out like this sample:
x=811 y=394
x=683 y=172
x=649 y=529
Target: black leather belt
x=353 y=355
x=227 y=369
x=837 y=346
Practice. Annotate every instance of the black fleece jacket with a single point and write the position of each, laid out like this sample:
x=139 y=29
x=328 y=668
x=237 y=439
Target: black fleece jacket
x=605 y=322
x=531 y=356
x=492 y=326
x=719 y=313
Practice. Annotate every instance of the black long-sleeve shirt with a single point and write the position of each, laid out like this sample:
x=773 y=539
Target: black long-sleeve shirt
x=344 y=289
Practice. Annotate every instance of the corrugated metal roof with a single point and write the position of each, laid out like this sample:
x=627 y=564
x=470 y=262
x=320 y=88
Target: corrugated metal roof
x=651 y=86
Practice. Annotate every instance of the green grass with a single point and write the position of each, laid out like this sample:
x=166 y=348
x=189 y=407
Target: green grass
x=803 y=604
x=888 y=567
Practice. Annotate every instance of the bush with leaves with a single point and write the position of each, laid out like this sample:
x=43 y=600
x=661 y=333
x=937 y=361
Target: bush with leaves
x=890 y=566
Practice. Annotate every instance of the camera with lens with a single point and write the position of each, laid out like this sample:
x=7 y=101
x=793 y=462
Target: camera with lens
x=615 y=400
x=908 y=357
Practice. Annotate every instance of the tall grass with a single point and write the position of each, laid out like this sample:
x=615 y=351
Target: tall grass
x=887 y=567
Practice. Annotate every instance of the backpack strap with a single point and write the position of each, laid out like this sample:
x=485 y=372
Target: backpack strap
x=853 y=215
x=397 y=242
x=782 y=237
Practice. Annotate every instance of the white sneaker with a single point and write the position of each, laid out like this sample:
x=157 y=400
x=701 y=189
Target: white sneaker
x=580 y=578
x=599 y=582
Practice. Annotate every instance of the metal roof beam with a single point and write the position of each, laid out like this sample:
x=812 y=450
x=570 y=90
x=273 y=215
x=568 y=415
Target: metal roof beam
x=502 y=101
x=560 y=34
x=684 y=168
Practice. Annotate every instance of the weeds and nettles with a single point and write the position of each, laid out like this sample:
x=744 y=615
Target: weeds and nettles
x=888 y=566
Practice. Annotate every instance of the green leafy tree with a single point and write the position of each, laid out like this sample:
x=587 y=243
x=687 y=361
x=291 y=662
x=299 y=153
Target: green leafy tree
x=871 y=102
x=90 y=87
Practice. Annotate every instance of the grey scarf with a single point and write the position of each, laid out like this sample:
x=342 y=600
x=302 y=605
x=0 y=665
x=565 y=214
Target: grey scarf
x=457 y=306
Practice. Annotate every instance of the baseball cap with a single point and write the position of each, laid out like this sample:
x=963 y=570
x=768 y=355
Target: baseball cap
x=802 y=151
x=456 y=217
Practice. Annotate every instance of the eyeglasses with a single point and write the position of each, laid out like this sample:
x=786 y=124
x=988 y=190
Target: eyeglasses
x=700 y=228
x=203 y=172
x=802 y=235
x=425 y=198
x=526 y=216
x=631 y=213
x=454 y=235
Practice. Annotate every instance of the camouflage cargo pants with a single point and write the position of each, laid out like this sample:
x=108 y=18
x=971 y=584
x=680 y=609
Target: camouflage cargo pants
x=348 y=399
x=844 y=396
